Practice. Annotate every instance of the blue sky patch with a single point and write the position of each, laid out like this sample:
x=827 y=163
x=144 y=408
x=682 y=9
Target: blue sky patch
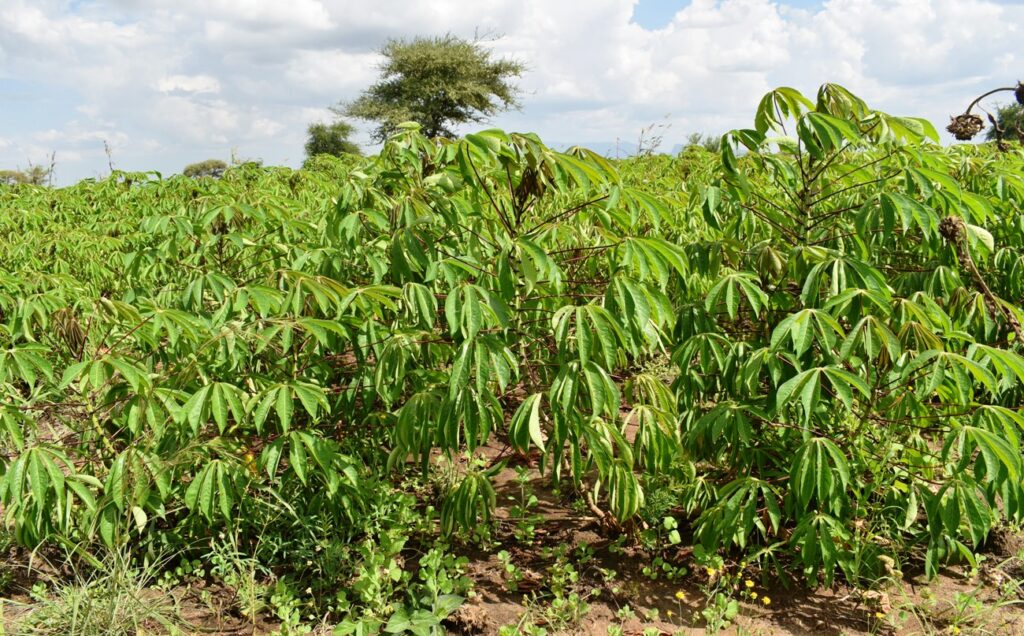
x=657 y=14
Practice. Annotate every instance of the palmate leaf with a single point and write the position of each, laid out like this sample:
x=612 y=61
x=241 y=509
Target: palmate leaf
x=704 y=352
x=173 y=324
x=745 y=505
x=842 y=273
x=596 y=443
x=582 y=174
x=975 y=510
x=910 y=213
x=729 y=290
x=603 y=392
x=470 y=503
x=822 y=134
x=494 y=363
x=856 y=302
x=590 y=331
x=625 y=494
x=371 y=301
x=313 y=461
x=1009 y=365
x=656 y=443
x=219 y=400
x=736 y=179
x=840 y=102
x=14 y=424
x=653 y=259
x=726 y=428
x=1001 y=456
x=872 y=338
x=280 y=399
x=414 y=428
x=26 y=363
x=327 y=333
x=806 y=386
x=643 y=311
x=950 y=376
x=535 y=266
x=214 y=491
x=642 y=208
x=804 y=328
x=912 y=129
x=819 y=539
x=470 y=308
x=467 y=418
x=42 y=492
x=481 y=364
x=820 y=473
x=778 y=106
x=420 y=304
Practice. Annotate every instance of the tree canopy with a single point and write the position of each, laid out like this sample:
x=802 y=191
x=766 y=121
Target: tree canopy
x=35 y=175
x=437 y=82
x=331 y=139
x=207 y=168
x=1010 y=120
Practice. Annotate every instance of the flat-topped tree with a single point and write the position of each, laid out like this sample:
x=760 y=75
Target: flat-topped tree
x=208 y=168
x=437 y=82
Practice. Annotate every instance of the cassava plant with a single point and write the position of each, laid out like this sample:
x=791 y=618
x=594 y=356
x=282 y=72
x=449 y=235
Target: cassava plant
x=815 y=340
x=853 y=375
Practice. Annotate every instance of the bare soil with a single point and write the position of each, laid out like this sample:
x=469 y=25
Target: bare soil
x=916 y=606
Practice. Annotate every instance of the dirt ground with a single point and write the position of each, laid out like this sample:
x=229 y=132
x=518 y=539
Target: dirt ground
x=988 y=601
x=916 y=607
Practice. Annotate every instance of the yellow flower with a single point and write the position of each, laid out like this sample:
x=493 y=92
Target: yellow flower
x=879 y=615
x=753 y=596
x=670 y=613
x=748 y=583
x=711 y=571
x=954 y=630
x=681 y=595
x=766 y=600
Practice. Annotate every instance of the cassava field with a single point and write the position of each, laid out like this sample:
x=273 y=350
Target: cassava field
x=481 y=386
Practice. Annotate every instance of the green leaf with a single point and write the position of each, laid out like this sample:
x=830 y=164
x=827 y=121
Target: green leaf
x=525 y=424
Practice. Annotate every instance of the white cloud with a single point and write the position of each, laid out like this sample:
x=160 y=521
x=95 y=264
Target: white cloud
x=73 y=135
x=265 y=127
x=197 y=121
x=69 y=156
x=188 y=84
x=332 y=72
x=197 y=77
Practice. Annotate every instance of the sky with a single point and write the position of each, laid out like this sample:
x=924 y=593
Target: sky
x=164 y=83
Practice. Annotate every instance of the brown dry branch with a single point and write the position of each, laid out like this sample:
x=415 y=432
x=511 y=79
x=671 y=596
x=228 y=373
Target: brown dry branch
x=953 y=230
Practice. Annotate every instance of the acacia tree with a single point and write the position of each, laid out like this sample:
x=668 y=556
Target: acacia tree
x=208 y=168
x=35 y=175
x=437 y=82
x=330 y=139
